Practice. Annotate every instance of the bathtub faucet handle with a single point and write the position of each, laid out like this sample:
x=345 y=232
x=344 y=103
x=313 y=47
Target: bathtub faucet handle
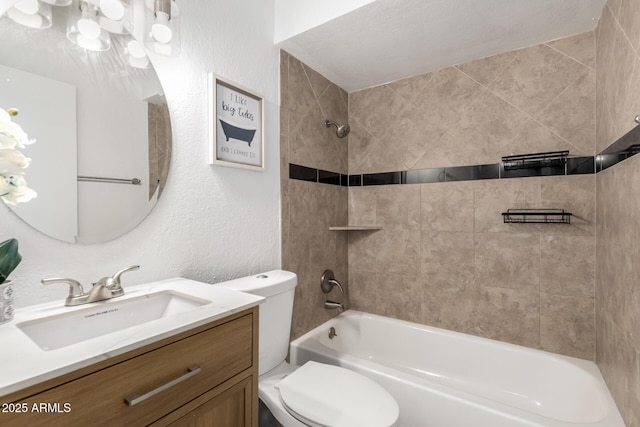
x=328 y=282
x=334 y=282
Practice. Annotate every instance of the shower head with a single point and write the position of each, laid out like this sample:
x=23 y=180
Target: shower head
x=341 y=130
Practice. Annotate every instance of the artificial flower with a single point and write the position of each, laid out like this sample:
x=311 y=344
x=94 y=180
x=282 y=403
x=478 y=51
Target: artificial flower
x=14 y=190
x=13 y=187
x=11 y=134
x=12 y=162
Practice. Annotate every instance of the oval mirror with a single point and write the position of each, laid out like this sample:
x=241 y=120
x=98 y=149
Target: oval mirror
x=101 y=125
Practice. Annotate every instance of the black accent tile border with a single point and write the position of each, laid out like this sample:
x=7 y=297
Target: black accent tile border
x=303 y=173
x=384 y=178
x=472 y=173
x=355 y=180
x=574 y=166
x=424 y=176
x=581 y=165
x=625 y=147
x=326 y=177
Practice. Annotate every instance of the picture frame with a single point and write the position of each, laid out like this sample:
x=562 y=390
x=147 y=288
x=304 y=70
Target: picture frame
x=236 y=125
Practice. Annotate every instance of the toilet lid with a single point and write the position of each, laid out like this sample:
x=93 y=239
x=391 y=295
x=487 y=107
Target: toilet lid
x=326 y=395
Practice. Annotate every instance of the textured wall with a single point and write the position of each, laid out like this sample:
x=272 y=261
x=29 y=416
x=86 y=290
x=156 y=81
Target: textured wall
x=444 y=256
x=212 y=223
x=309 y=209
x=618 y=208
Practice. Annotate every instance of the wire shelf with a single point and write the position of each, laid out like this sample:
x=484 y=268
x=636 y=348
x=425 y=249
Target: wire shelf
x=535 y=160
x=537 y=216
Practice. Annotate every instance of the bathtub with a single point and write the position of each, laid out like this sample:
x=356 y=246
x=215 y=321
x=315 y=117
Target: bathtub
x=442 y=378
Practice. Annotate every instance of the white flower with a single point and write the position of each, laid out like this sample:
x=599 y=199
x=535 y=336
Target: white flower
x=13 y=187
x=14 y=190
x=12 y=162
x=11 y=134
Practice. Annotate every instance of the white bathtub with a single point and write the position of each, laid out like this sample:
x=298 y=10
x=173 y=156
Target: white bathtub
x=442 y=378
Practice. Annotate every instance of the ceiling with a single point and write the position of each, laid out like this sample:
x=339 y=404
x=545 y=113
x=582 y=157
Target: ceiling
x=388 y=40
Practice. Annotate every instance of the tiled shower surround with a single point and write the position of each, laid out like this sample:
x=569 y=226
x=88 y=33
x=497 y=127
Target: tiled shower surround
x=309 y=209
x=444 y=257
x=618 y=209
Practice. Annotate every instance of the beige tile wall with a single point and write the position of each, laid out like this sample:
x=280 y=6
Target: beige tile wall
x=444 y=256
x=309 y=209
x=539 y=98
x=159 y=147
x=618 y=208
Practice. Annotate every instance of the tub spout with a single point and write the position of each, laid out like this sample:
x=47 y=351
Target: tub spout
x=331 y=305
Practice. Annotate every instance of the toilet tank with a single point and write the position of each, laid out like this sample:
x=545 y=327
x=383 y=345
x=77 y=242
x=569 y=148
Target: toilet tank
x=278 y=287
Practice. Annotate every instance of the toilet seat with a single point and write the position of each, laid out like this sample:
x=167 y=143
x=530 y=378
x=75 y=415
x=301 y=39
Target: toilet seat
x=322 y=395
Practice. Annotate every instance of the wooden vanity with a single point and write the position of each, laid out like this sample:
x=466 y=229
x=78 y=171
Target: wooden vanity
x=206 y=376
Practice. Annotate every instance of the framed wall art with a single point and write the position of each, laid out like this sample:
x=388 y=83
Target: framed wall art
x=236 y=125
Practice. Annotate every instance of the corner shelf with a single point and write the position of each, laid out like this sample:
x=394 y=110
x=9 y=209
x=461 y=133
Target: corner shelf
x=537 y=216
x=355 y=228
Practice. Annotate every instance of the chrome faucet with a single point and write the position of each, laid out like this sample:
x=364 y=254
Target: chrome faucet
x=105 y=288
x=327 y=283
x=331 y=305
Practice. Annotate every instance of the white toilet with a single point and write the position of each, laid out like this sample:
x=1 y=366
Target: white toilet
x=315 y=394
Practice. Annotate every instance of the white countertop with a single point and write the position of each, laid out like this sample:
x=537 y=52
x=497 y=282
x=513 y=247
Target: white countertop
x=24 y=363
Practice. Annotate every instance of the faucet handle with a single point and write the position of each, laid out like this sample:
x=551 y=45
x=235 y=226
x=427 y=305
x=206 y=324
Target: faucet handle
x=116 y=284
x=328 y=282
x=75 y=288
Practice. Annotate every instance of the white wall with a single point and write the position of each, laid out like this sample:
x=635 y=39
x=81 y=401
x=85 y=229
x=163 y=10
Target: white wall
x=212 y=223
x=293 y=17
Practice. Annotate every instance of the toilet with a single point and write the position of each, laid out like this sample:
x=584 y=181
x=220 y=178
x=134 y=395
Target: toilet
x=314 y=394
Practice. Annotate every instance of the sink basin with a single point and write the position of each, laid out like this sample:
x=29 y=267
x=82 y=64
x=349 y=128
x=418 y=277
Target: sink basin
x=102 y=318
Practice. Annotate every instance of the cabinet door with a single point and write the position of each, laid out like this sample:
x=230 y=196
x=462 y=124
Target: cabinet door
x=231 y=408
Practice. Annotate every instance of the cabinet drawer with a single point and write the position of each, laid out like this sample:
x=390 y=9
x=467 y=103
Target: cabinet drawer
x=220 y=353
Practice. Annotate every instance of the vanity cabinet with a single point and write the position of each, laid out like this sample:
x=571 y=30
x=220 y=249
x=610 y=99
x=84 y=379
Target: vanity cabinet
x=206 y=376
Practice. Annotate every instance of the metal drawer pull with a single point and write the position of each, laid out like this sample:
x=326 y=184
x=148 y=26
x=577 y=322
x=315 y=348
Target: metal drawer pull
x=134 y=399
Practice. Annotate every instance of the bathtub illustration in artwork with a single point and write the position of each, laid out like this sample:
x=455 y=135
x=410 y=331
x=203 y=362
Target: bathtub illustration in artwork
x=236 y=132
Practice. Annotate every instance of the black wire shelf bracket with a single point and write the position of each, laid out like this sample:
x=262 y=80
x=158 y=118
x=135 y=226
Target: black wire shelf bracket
x=536 y=216
x=535 y=160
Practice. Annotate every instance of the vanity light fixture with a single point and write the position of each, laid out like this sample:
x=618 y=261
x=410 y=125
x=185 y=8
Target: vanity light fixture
x=135 y=55
x=116 y=16
x=90 y=22
x=57 y=2
x=162 y=27
x=83 y=27
x=31 y=13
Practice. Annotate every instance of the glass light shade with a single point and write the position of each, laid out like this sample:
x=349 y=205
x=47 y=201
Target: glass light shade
x=116 y=16
x=162 y=27
x=57 y=2
x=31 y=13
x=135 y=55
x=83 y=27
